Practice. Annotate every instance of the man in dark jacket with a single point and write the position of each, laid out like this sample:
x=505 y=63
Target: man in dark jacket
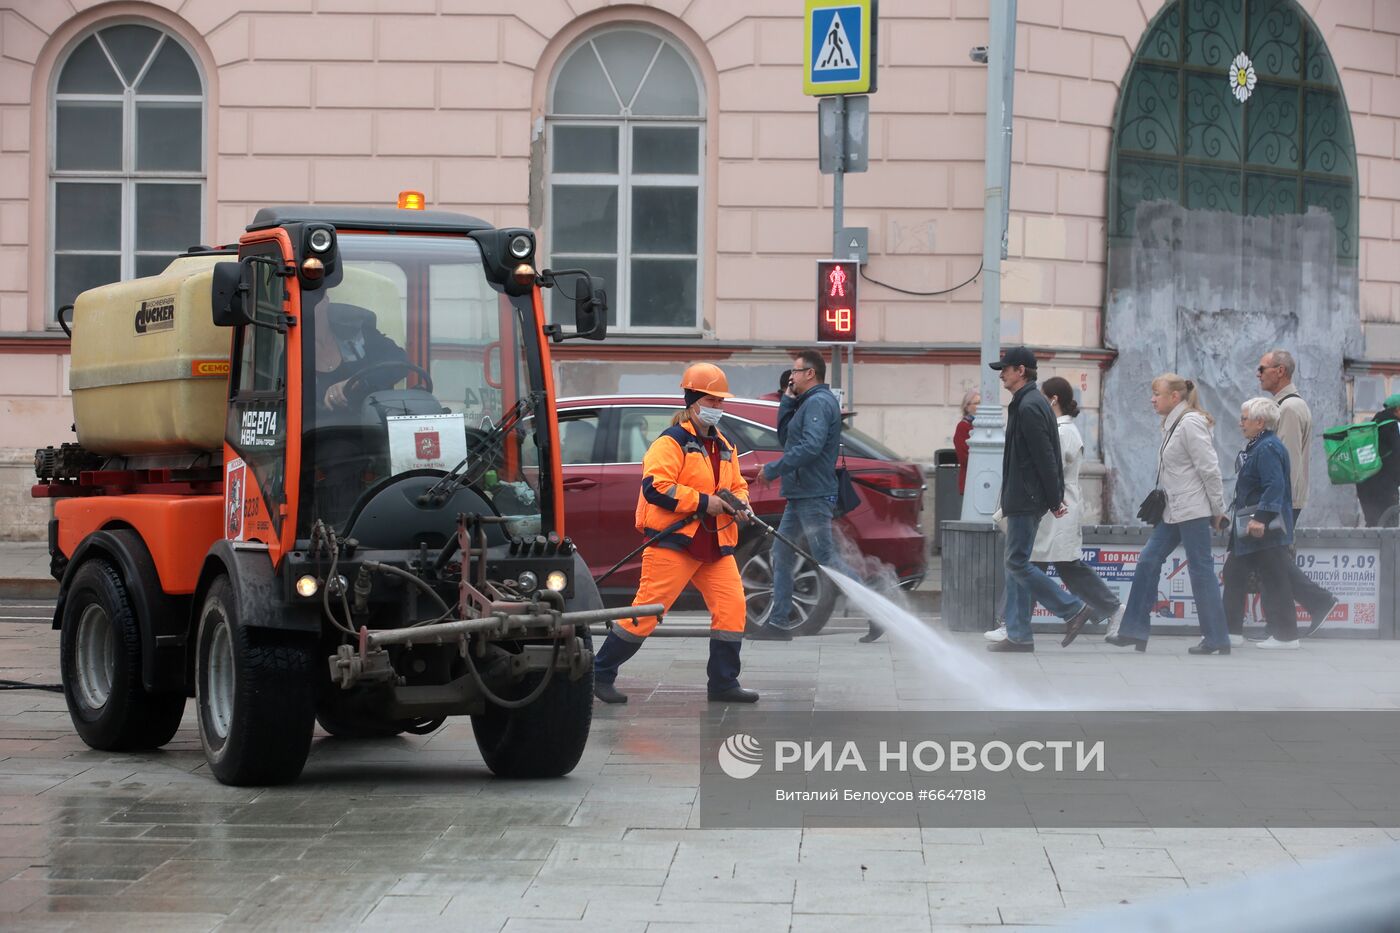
x=809 y=427
x=1032 y=483
x=1381 y=492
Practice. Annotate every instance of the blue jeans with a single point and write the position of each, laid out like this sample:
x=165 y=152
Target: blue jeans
x=808 y=522
x=1194 y=535
x=1027 y=584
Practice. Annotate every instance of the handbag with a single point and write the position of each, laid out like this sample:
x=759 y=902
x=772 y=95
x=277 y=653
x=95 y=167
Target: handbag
x=1154 y=505
x=847 y=499
x=1245 y=514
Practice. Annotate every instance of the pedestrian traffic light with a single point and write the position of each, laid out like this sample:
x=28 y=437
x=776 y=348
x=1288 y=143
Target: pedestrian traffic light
x=836 y=300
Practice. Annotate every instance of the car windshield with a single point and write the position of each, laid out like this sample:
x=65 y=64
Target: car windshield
x=418 y=364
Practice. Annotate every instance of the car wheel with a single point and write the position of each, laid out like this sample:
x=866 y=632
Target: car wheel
x=253 y=689
x=813 y=593
x=100 y=658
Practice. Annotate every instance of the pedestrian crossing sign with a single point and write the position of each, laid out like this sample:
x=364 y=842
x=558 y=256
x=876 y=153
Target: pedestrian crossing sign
x=839 y=53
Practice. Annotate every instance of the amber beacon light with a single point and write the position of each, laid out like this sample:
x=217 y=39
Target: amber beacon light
x=836 y=300
x=412 y=201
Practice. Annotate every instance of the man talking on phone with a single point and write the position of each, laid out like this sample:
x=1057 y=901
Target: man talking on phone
x=809 y=427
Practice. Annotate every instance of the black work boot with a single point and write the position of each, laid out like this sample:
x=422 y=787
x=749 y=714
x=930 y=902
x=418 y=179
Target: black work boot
x=612 y=655
x=872 y=635
x=608 y=693
x=723 y=671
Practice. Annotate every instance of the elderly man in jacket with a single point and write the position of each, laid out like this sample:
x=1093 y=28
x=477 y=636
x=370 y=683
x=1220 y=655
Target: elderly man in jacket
x=1294 y=430
x=1032 y=483
x=809 y=427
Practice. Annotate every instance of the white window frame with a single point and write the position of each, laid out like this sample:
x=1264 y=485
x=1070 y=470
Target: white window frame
x=623 y=181
x=127 y=177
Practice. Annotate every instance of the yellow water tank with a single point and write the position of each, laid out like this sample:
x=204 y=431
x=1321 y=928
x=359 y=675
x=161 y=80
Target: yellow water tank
x=149 y=368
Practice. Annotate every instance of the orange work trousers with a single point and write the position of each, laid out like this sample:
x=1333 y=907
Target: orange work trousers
x=665 y=573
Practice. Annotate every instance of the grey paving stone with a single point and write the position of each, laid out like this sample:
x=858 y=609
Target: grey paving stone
x=859 y=897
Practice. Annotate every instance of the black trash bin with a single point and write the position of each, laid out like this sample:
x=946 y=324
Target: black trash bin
x=947 y=501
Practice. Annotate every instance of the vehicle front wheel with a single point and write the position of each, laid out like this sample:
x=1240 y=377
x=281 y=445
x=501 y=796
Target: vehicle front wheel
x=100 y=659
x=813 y=593
x=339 y=719
x=545 y=739
x=253 y=689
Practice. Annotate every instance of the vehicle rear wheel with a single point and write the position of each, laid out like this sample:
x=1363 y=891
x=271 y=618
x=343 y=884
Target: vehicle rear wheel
x=253 y=689
x=100 y=659
x=545 y=739
x=813 y=593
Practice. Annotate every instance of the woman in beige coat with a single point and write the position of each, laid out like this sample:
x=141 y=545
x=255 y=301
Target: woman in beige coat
x=1189 y=473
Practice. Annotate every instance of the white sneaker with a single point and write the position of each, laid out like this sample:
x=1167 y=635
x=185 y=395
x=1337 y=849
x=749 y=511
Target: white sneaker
x=1236 y=641
x=1114 y=621
x=1273 y=644
x=996 y=634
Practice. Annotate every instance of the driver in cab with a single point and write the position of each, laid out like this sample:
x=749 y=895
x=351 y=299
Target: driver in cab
x=348 y=343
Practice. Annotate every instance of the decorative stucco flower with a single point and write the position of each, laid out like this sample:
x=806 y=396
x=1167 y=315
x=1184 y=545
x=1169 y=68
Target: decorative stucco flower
x=1242 y=79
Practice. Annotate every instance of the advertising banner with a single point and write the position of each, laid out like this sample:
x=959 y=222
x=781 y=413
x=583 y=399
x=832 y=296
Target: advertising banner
x=1352 y=574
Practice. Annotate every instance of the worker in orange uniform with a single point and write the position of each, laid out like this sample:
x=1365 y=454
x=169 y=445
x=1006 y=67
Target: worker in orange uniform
x=683 y=472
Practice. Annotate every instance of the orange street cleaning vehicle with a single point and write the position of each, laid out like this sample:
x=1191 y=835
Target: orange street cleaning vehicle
x=317 y=478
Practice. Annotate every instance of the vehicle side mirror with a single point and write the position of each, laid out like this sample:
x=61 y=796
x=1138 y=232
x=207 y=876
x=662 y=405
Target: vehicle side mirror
x=590 y=309
x=227 y=295
x=250 y=291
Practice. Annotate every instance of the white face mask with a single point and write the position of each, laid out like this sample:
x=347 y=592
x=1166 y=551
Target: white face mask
x=709 y=416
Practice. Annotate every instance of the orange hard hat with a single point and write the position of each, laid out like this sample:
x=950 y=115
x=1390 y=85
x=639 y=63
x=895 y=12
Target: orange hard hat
x=707 y=378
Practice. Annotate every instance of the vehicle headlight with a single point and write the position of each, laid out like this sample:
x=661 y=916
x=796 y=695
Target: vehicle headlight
x=307 y=586
x=557 y=581
x=319 y=240
x=521 y=246
x=528 y=581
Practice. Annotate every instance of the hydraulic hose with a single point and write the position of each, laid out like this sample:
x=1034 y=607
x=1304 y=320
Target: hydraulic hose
x=675 y=526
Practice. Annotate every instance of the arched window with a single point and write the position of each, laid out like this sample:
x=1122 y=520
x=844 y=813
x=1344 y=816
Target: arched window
x=1235 y=105
x=1232 y=228
x=626 y=146
x=126 y=159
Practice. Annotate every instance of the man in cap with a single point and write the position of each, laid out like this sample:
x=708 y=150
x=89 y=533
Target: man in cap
x=1032 y=483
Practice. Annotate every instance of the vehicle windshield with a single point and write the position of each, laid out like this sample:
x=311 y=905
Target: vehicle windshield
x=414 y=362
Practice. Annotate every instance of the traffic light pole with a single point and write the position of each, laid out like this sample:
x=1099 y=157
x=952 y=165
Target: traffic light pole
x=838 y=199
x=983 y=487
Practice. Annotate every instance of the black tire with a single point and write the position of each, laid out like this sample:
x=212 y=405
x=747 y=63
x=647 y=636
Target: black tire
x=100 y=659
x=254 y=693
x=543 y=740
x=336 y=719
x=813 y=593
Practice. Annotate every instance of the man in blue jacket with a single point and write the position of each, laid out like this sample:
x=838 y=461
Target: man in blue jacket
x=809 y=427
x=1032 y=483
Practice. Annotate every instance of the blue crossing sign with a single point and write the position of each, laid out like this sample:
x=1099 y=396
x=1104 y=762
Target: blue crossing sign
x=839 y=53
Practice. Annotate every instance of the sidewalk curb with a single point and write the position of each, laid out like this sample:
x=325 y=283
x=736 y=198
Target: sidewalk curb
x=28 y=588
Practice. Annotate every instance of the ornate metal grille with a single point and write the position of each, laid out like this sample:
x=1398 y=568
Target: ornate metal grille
x=1235 y=105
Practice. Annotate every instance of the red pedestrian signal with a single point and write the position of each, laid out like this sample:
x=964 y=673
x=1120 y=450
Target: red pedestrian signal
x=836 y=300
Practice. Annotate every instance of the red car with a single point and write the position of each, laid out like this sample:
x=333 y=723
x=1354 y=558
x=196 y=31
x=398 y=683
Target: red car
x=603 y=439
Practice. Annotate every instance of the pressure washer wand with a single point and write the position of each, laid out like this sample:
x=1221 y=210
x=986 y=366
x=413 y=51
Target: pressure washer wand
x=738 y=506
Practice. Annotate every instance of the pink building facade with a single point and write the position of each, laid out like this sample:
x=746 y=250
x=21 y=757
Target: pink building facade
x=668 y=146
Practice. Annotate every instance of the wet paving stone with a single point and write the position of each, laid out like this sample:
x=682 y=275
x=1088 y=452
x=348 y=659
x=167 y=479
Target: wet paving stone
x=415 y=834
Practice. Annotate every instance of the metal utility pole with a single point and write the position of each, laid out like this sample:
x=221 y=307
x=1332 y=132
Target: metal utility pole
x=838 y=204
x=989 y=425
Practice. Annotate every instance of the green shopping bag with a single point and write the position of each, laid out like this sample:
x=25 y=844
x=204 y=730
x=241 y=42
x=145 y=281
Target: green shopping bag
x=1353 y=451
